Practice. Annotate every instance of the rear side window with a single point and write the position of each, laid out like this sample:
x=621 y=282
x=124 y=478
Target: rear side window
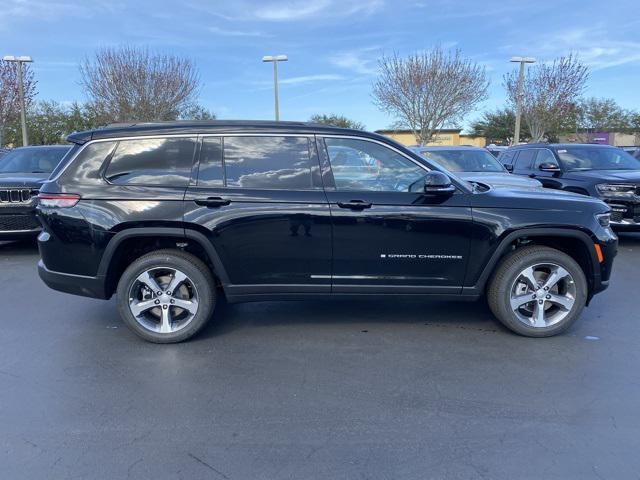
x=211 y=173
x=525 y=159
x=281 y=163
x=88 y=164
x=152 y=161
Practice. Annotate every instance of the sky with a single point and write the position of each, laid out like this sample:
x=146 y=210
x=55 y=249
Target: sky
x=333 y=45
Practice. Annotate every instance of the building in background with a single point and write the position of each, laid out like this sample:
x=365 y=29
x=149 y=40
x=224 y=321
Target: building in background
x=446 y=136
x=617 y=139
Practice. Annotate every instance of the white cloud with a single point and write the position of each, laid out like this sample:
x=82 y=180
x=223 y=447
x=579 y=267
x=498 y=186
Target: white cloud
x=310 y=79
x=595 y=47
x=361 y=60
x=236 y=33
x=287 y=10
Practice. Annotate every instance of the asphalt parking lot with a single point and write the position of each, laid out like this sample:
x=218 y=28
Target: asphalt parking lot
x=332 y=390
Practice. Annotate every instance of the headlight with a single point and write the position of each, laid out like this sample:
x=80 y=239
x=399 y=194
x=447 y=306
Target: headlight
x=604 y=219
x=616 y=190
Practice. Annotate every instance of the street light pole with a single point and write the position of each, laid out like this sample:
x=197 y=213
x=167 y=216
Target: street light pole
x=275 y=59
x=23 y=114
x=522 y=61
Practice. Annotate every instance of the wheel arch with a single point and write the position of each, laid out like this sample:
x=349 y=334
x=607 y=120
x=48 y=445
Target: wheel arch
x=563 y=239
x=146 y=239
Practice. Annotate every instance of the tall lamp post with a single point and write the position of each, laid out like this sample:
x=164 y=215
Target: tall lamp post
x=275 y=59
x=521 y=61
x=23 y=115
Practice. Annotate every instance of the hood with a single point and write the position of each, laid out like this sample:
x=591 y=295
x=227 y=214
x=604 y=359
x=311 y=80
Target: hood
x=626 y=176
x=498 y=178
x=504 y=196
x=32 y=180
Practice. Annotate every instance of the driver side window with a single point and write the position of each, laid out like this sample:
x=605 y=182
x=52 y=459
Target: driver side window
x=360 y=165
x=544 y=156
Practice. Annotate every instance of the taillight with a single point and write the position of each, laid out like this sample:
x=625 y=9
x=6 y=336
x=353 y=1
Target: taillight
x=58 y=200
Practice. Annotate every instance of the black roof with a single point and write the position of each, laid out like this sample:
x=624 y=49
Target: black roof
x=559 y=145
x=435 y=148
x=208 y=126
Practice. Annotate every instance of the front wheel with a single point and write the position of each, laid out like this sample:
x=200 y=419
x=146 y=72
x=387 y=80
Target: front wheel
x=537 y=291
x=166 y=296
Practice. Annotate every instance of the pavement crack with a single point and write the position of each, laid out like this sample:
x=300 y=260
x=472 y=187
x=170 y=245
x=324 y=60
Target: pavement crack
x=202 y=462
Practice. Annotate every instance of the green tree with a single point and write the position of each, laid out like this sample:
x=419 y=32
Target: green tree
x=337 y=121
x=498 y=126
x=197 y=112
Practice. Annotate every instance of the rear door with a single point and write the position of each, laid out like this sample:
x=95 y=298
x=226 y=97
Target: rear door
x=259 y=200
x=385 y=237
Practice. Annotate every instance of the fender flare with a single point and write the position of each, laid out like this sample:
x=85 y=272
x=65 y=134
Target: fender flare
x=198 y=237
x=506 y=242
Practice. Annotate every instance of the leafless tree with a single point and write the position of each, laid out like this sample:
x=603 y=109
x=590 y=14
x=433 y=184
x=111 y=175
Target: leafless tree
x=549 y=93
x=130 y=83
x=9 y=96
x=427 y=90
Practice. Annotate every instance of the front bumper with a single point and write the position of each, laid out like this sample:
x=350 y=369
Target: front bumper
x=18 y=224
x=93 y=287
x=624 y=215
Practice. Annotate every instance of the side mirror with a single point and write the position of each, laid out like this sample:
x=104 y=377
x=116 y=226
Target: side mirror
x=437 y=183
x=509 y=167
x=549 y=167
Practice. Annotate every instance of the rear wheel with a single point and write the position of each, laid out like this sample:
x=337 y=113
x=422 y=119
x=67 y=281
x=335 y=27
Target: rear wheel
x=537 y=291
x=166 y=296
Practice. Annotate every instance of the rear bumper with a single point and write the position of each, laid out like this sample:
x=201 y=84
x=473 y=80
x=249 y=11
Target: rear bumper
x=93 y=287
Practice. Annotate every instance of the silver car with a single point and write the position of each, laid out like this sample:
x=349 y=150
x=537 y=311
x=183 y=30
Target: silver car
x=475 y=165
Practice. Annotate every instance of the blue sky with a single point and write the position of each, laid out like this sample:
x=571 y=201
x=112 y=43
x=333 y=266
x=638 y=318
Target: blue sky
x=333 y=45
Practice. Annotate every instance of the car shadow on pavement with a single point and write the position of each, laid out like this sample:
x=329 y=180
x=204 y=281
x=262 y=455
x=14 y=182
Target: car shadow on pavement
x=474 y=316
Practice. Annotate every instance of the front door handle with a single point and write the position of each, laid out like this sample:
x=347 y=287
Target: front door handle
x=355 y=204
x=212 y=202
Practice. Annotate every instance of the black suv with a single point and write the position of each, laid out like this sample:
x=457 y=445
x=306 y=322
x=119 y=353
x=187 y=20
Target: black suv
x=169 y=216
x=22 y=172
x=601 y=171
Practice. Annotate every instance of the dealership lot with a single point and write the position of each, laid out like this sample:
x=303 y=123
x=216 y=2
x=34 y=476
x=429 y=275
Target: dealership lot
x=333 y=389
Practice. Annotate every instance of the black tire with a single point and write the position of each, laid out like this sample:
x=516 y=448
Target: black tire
x=198 y=274
x=508 y=271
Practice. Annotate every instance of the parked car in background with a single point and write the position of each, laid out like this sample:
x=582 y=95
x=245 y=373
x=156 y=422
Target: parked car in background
x=496 y=150
x=22 y=172
x=601 y=171
x=474 y=164
x=169 y=216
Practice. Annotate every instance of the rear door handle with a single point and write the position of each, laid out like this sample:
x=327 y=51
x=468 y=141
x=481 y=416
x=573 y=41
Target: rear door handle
x=355 y=204
x=212 y=202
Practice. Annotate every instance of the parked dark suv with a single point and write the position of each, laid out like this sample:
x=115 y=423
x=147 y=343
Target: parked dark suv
x=22 y=171
x=169 y=216
x=601 y=171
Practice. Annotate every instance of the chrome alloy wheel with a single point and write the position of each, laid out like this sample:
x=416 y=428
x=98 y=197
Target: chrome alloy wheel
x=163 y=300
x=542 y=295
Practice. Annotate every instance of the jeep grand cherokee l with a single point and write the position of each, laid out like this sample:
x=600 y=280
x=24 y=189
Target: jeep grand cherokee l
x=22 y=172
x=601 y=171
x=170 y=216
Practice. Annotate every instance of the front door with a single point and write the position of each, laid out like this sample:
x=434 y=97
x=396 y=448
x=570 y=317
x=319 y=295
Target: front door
x=259 y=199
x=387 y=238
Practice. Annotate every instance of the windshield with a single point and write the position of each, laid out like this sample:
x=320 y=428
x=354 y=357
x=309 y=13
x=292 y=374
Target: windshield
x=596 y=158
x=32 y=160
x=465 y=160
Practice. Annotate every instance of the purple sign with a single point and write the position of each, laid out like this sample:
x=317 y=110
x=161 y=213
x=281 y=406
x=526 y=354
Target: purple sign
x=601 y=138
